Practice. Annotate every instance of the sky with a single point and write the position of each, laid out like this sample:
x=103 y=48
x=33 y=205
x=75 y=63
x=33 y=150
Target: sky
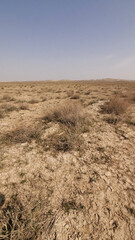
x=67 y=39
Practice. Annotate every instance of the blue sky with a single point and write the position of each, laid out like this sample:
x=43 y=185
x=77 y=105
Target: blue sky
x=67 y=39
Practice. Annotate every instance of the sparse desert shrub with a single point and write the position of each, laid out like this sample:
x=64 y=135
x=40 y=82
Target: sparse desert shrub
x=70 y=93
x=64 y=141
x=7 y=98
x=131 y=210
x=92 y=102
x=75 y=96
x=20 y=101
x=113 y=119
x=131 y=97
x=58 y=97
x=44 y=99
x=33 y=101
x=1 y=114
x=72 y=124
x=11 y=108
x=23 y=107
x=58 y=91
x=8 y=107
x=68 y=113
x=130 y=119
x=87 y=93
x=61 y=142
x=21 y=135
x=115 y=105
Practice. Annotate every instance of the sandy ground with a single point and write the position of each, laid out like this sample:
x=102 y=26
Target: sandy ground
x=89 y=192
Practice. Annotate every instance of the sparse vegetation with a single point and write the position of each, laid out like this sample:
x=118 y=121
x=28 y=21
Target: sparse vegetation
x=76 y=96
x=20 y=135
x=62 y=166
x=64 y=141
x=87 y=93
x=1 y=114
x=33 y=101
x=131 y=97
x=7 y=98
x=8 y=107
x=23 y=107
x=68 y=205
x=68 y=113
x=44 y=99
x=115 y=105
x=20 y=221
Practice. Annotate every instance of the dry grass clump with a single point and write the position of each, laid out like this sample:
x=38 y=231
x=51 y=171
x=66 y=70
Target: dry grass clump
x=130 y=119
x=33 y=101
x=71 y=205
x=8 y=107
x=75 y=96
x=70 y=93
x=131 y=97
x=68 y=113
x=115 y=105
x=23 y=107
x=112 y=119
x=24 y=220
x=21 y=101
x=72 y=123
x=44 y=99
x=1 y=114
x=8 y=98
x=59 y=142
x=64 y=141
x=87 y=93
x=21 y=135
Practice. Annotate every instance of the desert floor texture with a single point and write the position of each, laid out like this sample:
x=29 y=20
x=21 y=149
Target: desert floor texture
x=67 y=151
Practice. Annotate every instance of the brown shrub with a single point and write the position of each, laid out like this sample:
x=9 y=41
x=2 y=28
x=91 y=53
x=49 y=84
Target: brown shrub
x=23 y=107
x=21 y=135
x=8 y=98
x=44 y=99
x=116 y=105
x=70 y=93
x=131 y=97
x=9 y=108
x=68 y=113
x=63 y=141
x=87 y=93
x=75 y=96
x=33 y=101
x=73 y=123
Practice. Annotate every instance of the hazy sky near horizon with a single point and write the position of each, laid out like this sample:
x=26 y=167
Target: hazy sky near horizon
x=67 y=39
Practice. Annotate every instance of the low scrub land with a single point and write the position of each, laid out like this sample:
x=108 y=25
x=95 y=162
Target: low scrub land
x=67 y=160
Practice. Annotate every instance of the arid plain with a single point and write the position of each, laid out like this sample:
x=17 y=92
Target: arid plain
x=67 y=160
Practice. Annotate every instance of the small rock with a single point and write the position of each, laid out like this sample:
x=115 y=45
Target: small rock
x=24 y=144
x=108 y=174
